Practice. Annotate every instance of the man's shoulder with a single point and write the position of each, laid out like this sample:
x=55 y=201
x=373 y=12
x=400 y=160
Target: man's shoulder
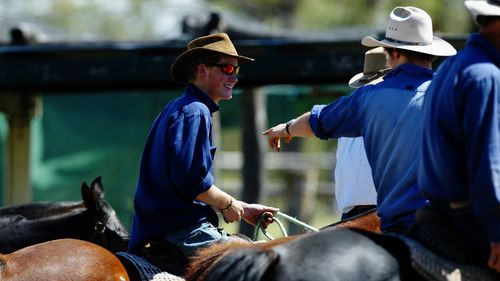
x=187 y=105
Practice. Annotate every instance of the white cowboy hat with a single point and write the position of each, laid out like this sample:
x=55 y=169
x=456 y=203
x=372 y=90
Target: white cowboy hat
x=410 y=28
x=374 y=68
x=483 y=8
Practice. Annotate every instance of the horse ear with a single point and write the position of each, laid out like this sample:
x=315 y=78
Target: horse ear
x=97 y=187
x=89 y=198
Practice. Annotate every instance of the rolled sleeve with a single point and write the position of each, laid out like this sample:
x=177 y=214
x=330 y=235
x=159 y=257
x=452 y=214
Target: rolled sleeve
x=339 y=118
x=314 y=121
x=493 y=228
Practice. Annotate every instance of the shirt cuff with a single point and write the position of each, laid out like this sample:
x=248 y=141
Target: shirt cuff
x=314 y=121
x=494 y=232
x=205 y=185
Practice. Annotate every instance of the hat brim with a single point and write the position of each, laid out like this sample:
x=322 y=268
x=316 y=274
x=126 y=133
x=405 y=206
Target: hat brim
x=178 y=71
x=362 y=79
x=438 y=47
x=482 y=8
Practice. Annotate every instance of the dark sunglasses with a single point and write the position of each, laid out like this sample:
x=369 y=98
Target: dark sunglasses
x=226 y=68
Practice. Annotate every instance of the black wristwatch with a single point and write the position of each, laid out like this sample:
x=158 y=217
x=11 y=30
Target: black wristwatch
x=287 y=126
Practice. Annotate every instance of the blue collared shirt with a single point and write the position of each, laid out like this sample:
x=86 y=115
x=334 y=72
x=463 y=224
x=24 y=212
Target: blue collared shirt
x=389 y=117
x=176 y=167
x=461 y=146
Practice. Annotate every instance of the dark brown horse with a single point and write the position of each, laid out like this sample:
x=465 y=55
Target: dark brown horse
x=75 y=260
x=201 y=265
x=62 y=260
x=92 y=219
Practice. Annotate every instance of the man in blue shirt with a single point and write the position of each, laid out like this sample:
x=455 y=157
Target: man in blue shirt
x=460 y=157
x=387 y=115
x=176 y=198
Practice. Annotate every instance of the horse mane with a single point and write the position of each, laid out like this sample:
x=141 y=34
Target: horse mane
x=3 y=261
x=202 y=262
x=368 y=221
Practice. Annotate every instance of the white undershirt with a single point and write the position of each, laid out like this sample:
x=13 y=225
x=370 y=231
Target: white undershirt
x=353 y=175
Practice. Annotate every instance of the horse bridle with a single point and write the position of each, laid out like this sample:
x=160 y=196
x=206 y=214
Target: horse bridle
x=99 y=234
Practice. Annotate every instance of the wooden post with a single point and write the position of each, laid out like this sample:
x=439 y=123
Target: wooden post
x=301 y=191
x=19 y=109
x=216 y=139
x=253 y=124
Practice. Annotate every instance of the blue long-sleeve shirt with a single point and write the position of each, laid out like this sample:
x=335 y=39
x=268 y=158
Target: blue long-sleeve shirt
x=176 y=167
x=389 y=117
x=461 y=144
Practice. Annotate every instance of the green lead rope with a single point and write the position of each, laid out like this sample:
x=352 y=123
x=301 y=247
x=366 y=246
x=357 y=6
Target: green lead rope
x=276 y=219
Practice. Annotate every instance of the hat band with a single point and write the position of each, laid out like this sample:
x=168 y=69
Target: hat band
x=373 y=74
x=408 y=43
x=493 y=2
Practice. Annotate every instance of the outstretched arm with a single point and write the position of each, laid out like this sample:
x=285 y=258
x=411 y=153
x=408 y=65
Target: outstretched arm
x=296 y=128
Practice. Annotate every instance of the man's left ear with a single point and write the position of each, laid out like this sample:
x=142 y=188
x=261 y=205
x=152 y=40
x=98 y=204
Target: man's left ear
x=202 y=69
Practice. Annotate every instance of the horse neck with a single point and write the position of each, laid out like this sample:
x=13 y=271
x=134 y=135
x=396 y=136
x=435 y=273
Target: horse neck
x=199 y=265
x=41 y=222
x=39 y=210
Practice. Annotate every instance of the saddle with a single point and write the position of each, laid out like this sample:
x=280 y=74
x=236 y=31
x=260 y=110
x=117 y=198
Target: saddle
x=438 y=250
x=436 y=268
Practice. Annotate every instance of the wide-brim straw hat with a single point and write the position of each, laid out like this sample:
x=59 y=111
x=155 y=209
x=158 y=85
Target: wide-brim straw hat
x=483 y=8
x=410 y=28
x=374 y=68
x=212 y=45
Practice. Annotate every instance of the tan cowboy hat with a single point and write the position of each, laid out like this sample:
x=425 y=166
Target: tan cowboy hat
x=410 y=28
x=375 y=67
x=203 y=47
x=483 y=8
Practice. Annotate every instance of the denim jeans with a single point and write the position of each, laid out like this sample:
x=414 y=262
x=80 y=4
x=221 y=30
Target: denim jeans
x=196 y=237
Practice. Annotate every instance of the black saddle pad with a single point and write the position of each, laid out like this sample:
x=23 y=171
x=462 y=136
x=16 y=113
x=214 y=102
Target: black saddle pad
x=147 y=271
x=164 y=255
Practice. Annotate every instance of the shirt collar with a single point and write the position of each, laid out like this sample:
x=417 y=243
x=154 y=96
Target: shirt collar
x=408 y=67
x=191 y=89
x=481 y=42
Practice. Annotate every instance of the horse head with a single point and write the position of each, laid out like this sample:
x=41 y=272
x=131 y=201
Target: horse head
x=109 y=231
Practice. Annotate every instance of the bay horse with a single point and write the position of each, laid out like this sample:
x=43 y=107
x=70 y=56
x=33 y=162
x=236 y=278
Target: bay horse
x=92 y=219
x=205 y=259
x=62 y=259
x=331 y=254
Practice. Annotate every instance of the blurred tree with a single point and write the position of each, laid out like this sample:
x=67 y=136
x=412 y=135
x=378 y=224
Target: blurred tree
x=95 y=20
x=449 y=16
x=122 y=20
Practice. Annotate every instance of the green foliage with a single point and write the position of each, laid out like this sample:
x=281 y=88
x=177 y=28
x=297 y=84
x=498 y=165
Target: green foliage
x=77 y=20
x=449 y=16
